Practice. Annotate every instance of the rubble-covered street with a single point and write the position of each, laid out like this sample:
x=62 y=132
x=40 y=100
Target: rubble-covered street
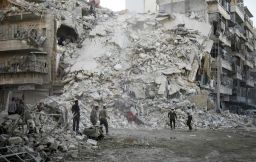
x=236 y=145
x=62 y=60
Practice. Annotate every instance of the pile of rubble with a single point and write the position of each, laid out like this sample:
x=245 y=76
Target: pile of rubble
x=40 y=136
x=128 y=62
x=134 y=63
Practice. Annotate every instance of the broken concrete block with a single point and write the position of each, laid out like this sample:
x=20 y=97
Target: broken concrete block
x=72 y=147
x=192 y=74
x=92 y=142
x=63 y=148
x=96 y=96
x=118 y=67
x=74 y=153
x=15 y=140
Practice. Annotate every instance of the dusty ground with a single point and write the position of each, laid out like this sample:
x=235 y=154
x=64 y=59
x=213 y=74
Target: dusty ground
x=177 y=146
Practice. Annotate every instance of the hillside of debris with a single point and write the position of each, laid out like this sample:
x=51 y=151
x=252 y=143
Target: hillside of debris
x=135 y=63
x=131 y=63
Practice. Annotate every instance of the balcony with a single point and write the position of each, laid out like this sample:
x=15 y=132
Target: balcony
x=238 y=11
x=225 y=90
x=12 y=45
x=20 y=78
x=226 y=65
x=214 y=6
x=238 y=73
x=241 y=56
x=24 y=64
x=224 y=39
x=13 y=37
x=238 y=99
x=248 y=63
x=249 y=24
x=250 y=83
x=251 y=102
x=249 y=60
x=239 y=31
x=250 y=46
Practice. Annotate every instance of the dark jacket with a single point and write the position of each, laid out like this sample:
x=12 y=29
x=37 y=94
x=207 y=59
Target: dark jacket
x=172 y=115
x=189 y=119
x=103 y=114
x=76 y=109
x=12 y=107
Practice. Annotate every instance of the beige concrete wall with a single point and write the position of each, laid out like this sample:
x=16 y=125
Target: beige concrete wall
x=14 y=45
x=23 y=78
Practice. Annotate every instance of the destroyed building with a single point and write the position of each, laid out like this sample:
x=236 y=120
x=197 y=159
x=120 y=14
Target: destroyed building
x=229 y=71
x=27 y=53
x=137 y=65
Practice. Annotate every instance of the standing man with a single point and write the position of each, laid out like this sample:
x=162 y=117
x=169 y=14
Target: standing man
x=172 y=116
x=93 y=5
x=94 y=115
x=189 y=121
x=103 y=118
x=12 y=107
x=20 y=107
x=76 y=116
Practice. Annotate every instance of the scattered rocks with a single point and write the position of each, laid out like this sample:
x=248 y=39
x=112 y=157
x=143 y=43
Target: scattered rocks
x=15 y=140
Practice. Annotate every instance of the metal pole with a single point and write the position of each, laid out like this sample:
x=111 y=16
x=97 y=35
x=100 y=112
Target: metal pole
x=218 y=80
x=218 y=63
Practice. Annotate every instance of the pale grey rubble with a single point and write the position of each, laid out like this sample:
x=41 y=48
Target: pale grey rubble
x=128 y=62
x=132 y=62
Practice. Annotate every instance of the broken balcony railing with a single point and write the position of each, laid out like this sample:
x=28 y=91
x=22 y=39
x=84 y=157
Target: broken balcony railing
x=24 y=64
x=16 y=153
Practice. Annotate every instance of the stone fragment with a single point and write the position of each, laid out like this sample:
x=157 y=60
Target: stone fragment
x=92 y=142
x=15 y=140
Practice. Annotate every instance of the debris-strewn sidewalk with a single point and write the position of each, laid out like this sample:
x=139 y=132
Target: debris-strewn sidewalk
x=42 y=136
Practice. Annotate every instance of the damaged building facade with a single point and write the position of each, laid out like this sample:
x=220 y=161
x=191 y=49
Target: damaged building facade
x=231 y=61
x=27 y=53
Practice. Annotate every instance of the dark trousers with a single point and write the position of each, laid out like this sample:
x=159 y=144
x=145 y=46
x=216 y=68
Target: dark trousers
x=172 y=121
x=93 y=121
x=76 y=121
x=11 y=113
x=189 y=125
x=105 y=123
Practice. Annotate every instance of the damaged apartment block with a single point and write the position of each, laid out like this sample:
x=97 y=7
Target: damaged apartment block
x=27 y=53
x=228 y=71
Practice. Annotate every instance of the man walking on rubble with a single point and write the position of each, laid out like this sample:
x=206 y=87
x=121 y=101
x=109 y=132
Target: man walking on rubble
x=94 y=115
x=189 y=121
x=172 y=116
x=93 y=5
x=103 y=118
x=76 y=117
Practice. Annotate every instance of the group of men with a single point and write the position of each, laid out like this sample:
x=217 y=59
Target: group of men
x=173 y=116
x=94 y=117
x=16 y=106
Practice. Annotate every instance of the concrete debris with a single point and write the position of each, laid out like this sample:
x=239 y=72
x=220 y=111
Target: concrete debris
x=15 y=140
x=43 y=134
x=136 y=66
x=92 y=142
x=140 y=68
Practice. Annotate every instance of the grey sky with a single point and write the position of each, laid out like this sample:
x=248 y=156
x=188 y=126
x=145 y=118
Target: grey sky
x=251 y=4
